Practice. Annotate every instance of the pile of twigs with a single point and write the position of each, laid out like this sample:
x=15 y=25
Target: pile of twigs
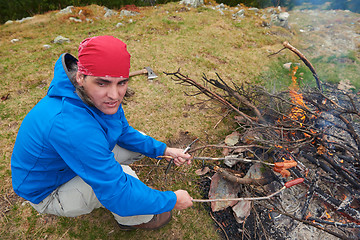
x=317 y=128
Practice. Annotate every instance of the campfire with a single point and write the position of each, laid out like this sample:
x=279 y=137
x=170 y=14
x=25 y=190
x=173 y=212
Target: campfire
x=292 y=167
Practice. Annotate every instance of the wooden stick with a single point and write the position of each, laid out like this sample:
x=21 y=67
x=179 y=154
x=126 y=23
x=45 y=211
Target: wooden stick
x=233 y=178
x=240 y=199
x=288 y=184
x=307 y=63
x=222 y=159
x=233 y=158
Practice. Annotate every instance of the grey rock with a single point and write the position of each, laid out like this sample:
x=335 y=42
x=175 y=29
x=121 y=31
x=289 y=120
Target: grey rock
x=128 y=13
x=109 y=12
x=60 y=39
x=283 y=16
x=75 y=19
x=242 y=210
x=24 y=19
x=221 y=6
x=287 y=66
x=66 y=10
x=192 y=3
x=240 y=13
x=119 y=24
x=230 y=160
x=272 y=10
x=280 y=19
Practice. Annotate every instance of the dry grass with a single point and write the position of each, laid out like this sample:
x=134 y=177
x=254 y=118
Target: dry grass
x=167 y=37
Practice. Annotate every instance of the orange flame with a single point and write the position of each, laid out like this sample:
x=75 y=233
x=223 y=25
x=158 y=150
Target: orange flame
x=321 y=150
x=296 y=112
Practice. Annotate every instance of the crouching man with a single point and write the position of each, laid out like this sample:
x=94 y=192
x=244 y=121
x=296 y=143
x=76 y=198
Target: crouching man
x=73 y=148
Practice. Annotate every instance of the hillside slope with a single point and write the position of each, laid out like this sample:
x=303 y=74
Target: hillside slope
x=205 y=40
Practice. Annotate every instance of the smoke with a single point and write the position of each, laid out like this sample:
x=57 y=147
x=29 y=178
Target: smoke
x=352 y=5
x=314 y=2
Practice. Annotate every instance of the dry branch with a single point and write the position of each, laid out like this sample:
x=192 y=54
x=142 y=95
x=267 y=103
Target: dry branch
x=304 y=59
x=177 y=76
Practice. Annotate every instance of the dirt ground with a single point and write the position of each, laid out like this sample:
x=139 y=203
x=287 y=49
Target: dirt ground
x=326 y=33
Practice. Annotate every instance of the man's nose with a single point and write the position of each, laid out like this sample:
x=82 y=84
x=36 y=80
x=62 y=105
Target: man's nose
x=113 y=93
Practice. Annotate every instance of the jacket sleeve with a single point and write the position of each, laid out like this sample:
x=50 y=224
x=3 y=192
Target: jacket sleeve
x=82 y=144
x=136 y=141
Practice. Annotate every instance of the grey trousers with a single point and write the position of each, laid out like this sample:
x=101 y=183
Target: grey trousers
x=76 y=197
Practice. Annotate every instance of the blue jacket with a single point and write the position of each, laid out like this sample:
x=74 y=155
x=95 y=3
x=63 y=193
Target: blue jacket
x=62 y=137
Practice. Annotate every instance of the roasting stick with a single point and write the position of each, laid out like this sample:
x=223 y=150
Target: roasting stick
x=239 y=199
x=222 y=159
x=233 y=158
x=278 y=164
x=287 y=185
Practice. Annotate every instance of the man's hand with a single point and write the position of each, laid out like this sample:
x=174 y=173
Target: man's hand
x=183 y=200
x=179 y=156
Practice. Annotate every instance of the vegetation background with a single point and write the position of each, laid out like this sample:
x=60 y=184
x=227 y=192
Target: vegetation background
x=165 y=37
x=17 y=9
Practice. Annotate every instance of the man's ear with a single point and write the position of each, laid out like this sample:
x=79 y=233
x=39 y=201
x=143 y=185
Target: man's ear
x=80 y=78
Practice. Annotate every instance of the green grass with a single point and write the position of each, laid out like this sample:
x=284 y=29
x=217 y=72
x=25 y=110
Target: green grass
x=336 y=68
x=333 y=69
x=166 y=38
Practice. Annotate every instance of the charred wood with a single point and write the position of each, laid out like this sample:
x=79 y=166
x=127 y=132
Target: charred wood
x=341 y=236
x=321 y=164
x=232 y=178
x=351 y=130
x=342 y=171
x=351 y=214
x=336 y=224
x=310 y=194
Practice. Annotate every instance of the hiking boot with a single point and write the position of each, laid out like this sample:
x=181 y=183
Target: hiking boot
x=158 y=221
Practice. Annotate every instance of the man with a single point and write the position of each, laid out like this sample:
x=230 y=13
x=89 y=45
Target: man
x=73 y=148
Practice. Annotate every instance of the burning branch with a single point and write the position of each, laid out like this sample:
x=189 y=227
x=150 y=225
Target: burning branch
x=307 y=63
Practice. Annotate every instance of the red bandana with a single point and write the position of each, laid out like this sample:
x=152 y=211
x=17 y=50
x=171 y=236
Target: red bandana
x=104 y=56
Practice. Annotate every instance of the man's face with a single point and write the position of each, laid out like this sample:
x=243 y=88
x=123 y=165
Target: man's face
x=106 y=93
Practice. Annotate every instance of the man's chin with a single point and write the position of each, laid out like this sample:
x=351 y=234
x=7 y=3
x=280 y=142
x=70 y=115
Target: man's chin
x=110 y=111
